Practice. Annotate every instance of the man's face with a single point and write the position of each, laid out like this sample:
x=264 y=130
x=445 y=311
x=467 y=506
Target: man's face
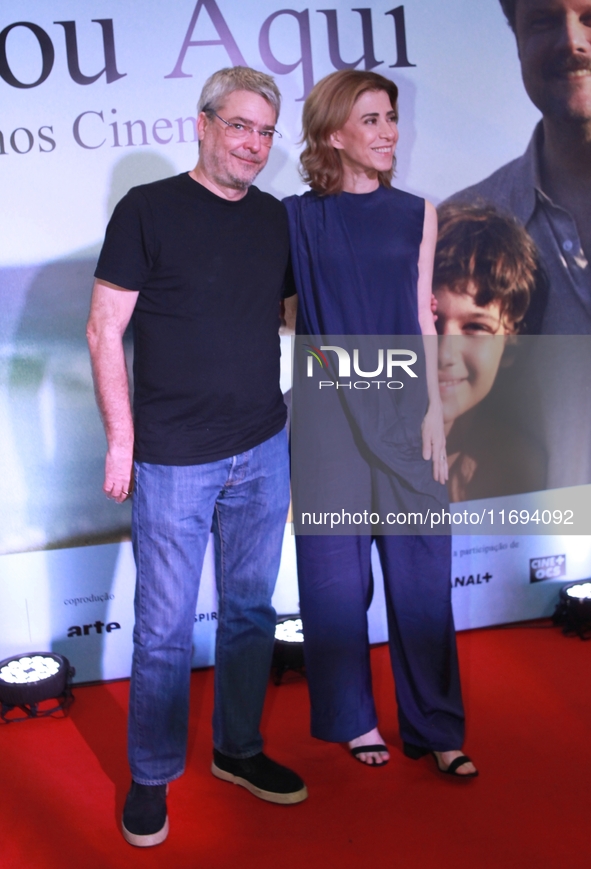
x=554 y=42
x=228 y=161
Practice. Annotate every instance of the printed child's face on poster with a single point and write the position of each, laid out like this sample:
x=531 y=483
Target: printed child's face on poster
x=471 y=345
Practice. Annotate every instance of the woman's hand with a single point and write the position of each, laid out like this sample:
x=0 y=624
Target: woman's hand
x=434 y=441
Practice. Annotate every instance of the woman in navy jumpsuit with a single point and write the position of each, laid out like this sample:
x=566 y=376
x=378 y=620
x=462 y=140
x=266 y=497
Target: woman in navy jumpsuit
x=362 y=256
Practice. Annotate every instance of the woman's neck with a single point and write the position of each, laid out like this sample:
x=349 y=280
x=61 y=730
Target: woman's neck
x=359 y=182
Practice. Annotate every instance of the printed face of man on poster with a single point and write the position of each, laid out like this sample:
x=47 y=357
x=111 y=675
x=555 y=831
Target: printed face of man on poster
x=554 y=45
x=548 y=188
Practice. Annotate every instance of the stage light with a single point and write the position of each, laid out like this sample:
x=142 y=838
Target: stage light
x=289 y=630
x=29 y=679
x=573 y=612
x=580 y=591
x=288 y=652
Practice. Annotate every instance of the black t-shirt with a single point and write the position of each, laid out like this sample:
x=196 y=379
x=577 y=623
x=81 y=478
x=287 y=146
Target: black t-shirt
x=210 y=274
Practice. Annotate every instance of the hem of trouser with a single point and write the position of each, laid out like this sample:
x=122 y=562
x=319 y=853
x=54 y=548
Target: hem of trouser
x=153 y=783
x=315 y=732
x=238 y=756
x=437 y=747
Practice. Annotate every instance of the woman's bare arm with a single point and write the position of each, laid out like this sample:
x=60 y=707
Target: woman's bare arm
x=433 y=431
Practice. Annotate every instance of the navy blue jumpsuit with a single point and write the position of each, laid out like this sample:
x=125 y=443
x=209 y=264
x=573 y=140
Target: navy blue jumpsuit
x=355 y=263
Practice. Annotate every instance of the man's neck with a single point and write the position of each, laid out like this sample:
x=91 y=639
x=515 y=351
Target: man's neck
x=565 y=168
x=566 y=160
x=231 y=193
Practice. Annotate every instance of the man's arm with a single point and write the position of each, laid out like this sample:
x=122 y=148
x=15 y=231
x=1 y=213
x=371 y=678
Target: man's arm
x=110 y=311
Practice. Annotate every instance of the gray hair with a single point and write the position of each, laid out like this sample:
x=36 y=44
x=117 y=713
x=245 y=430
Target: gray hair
x=237 y=78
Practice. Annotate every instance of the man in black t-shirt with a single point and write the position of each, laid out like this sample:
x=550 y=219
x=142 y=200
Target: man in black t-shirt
x=197 y=262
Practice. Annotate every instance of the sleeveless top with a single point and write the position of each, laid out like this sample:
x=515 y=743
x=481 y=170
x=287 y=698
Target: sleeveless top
x=355 y=264
x=355 y=261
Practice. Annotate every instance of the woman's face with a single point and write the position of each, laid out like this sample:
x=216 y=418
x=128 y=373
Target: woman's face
x=367 y=140
x=471 y=346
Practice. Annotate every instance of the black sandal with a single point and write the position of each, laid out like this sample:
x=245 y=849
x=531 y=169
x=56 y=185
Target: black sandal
x=368 y=749
x=415 y=752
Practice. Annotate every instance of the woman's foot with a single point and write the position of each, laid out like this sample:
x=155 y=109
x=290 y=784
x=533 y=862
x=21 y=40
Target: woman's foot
x=444 y=759
x=377 y=753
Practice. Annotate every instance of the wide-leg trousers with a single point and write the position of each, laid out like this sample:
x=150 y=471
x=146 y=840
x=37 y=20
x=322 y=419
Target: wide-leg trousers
x=335 y=590
x=355 y=451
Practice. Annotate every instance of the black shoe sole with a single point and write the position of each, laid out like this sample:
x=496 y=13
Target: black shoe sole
x=269 y=796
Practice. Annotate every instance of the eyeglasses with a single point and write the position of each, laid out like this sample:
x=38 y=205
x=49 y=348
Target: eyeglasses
x=242 y=131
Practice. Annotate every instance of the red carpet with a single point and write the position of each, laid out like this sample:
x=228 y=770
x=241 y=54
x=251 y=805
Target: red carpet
x=63 y=782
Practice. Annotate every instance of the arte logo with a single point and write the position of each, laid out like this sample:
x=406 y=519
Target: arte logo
x=387 y=360
x=84 y=630
x=549 y=567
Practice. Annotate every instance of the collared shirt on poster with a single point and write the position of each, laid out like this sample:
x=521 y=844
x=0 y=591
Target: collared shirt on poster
x=516 y=188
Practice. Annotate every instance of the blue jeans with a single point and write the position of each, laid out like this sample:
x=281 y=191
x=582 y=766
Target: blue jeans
x=244 y=500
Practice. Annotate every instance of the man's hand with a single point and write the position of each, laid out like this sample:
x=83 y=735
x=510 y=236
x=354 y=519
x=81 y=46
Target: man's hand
x=118 y=483
x=434 y=442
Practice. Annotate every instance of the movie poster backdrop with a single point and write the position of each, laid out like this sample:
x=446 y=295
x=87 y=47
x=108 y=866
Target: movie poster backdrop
x=98 y=97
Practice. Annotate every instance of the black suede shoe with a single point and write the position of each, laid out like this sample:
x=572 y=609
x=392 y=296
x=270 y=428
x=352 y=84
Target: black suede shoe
x=145 y=822
x=261 y=776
